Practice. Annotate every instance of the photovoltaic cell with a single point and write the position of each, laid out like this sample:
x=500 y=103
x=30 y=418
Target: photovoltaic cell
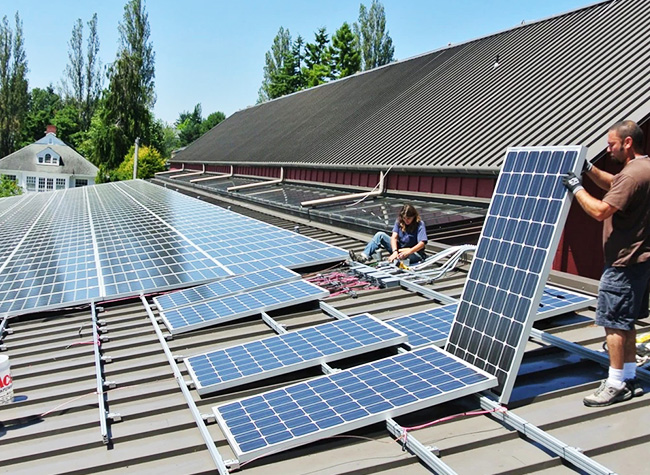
x=222 y=288
x=292 y=351
x=512 y=260
x=73 y=246
x=329 y=405
x=432 y=326
x=233 y=307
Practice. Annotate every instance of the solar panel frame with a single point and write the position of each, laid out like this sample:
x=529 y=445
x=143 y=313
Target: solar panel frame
x=381 y=389
x=513 y=260
x=236 y=307
x=292 y=351
x=230 y=285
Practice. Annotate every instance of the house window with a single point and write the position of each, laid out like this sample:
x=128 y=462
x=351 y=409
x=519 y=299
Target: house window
x=40 y=159
x=48 y=158
x=30 y=181
x=41 y=184
x=80 y=182
x=11 y=177
x=60 y=183
x=50 y=184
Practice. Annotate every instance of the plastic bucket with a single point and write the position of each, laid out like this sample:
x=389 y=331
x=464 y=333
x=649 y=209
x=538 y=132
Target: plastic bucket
x=6 y=383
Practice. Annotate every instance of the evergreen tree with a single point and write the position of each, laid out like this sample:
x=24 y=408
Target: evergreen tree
x=189 y=126
x=375 y=43
x=124 y=113
x=290 y=77
x=212 y=121
x=318 y=68
x=345 y=53
x=274 y=62
x=14 y=96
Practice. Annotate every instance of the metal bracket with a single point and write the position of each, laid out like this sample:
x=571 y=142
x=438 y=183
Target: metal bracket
x=189 y=384
x=178 y=358
x=209 y=418
x=106 y=359
x=104 y=339
x=232 y=464
x=169 y=337
x=3 y=347
x=110 y=384
x=114 y=416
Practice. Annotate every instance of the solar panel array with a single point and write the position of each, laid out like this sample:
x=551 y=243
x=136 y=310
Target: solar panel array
x=292 y=351
x=328 y=405
x=432 y=326
x=234 y=307
x=512 y=260
x=222 y=288
x=487 y=338
x=72 y=246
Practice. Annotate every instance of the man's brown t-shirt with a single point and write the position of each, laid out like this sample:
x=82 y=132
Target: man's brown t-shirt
x=626 y=235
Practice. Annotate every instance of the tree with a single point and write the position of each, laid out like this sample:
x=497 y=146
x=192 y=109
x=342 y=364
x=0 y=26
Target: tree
x=149 y=162
x=9 y=187
x=318 y=68
x=375 y=43
x=274 y=61
x=124 y=113
x=345 y=52
x=42 y=107
x=290 y=77
x=212 y=121
x=14 y=96
x=189 y=126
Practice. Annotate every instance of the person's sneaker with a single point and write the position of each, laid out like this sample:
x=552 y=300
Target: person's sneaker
x=635 y=387
x=361 y=258
x=606 y=395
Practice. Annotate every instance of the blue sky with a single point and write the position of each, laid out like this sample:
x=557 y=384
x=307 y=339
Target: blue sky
x=212 y=52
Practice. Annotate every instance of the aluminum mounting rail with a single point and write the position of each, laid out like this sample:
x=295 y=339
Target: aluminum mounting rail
x=207 y=438
x=101 y=397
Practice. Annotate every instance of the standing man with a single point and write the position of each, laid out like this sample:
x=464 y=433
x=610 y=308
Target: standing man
x=623 y=290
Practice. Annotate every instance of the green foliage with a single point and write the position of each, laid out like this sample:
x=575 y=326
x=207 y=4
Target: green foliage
x=42 y=107
x=274 y=62
x=124 y=114
x=212 y=120
x=345 y=52
x=14 y=97
x=189 y=126
x=318 y=59
x=290 y=77
x=376 y=45
x=68 y=124
x=9 y=187
x=149 y=162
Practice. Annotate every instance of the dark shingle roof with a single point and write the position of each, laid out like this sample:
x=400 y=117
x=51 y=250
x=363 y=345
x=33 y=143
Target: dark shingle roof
x=562 y=80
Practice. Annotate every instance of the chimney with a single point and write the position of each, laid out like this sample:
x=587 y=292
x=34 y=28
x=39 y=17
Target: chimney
x=50 y=129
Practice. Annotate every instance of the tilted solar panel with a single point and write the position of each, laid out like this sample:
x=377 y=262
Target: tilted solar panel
x=328 y=405
x=292 y=351
x=222 y=288
x=233 y=307
x=512 y=260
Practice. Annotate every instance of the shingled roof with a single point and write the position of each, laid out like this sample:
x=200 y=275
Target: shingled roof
x=557 y=81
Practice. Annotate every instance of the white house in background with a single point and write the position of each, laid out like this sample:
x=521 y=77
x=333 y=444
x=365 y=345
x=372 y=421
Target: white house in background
x=48 y=164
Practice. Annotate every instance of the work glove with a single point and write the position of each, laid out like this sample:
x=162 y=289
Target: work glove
x=572 y=182
x=587 y=166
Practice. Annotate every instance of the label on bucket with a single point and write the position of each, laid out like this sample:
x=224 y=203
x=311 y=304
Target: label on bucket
x=6 y=383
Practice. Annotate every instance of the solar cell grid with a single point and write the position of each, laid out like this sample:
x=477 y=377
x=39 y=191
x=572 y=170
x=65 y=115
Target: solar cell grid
x=242 y=305
x=269 y=357
x=512 y=260
x=222 y=288
x=328 y=405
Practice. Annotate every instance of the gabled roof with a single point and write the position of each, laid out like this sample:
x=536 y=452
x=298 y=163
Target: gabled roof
x=71 y=161
x=559 y=81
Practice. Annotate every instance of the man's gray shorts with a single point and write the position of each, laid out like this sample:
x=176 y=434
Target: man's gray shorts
x=623 y=296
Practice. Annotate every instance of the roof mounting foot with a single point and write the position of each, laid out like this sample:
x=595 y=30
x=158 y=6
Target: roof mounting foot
x=114 y=416
x=209 y=418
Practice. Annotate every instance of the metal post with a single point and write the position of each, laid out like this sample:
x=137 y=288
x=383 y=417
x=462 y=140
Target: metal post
x=135 y=158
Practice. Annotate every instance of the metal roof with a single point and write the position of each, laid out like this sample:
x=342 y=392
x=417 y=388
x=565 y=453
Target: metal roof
x=53 y=427
x=559 y=81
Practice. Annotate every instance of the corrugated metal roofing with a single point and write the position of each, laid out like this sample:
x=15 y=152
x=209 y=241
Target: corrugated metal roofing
x=54 y=427
x=559 y=81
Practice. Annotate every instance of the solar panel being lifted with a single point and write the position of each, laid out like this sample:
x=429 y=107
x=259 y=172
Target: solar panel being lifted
x=74 y=246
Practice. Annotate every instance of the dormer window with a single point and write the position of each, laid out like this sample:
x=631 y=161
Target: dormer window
x=48 y=157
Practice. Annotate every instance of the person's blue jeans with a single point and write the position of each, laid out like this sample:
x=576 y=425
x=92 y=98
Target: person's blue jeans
x=382 y=240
